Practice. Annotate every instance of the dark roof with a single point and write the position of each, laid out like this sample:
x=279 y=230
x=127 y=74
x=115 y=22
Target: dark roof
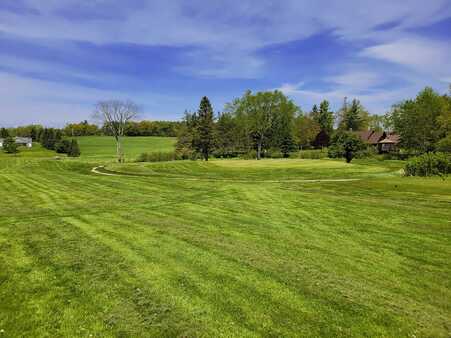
x=391 y=138
x=376 y=136
x=364 y=135
x=371 y=136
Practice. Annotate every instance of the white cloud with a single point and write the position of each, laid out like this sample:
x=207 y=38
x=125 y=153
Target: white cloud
x=376 y=100
x=236 y=29
x=427 y=56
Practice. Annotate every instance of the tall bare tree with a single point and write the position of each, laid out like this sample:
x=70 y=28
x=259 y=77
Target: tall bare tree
x=115 y=115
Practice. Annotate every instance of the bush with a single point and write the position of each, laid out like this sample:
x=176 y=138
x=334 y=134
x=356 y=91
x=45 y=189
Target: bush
x=314 y=154
x=74 y=149
x=251 y=155
x=63 y=147
x=159 y=157
x=273 y=153
x=429 y=164
x=368 y=152
x=10 y=146
x=396 y=156
x=444 y=145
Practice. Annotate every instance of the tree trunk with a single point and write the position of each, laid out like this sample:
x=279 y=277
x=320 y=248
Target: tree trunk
x=120 y=155
x=259 y=149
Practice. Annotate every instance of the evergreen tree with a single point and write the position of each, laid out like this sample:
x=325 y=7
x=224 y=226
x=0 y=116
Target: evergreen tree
x=186 y=136
x=314 y=114
x=74 y=150
x=354 y=118
x=4 y=133
x=205 y=137
x=10 y=146
x=325 y=117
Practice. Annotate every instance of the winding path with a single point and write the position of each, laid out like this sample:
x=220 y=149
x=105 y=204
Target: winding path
x=100 y=170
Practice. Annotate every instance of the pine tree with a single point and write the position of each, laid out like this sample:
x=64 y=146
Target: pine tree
x=314 y=114
x=204 y=139
x=74 y=150
x=354 y=118
x=4 y=133
x=325 y=117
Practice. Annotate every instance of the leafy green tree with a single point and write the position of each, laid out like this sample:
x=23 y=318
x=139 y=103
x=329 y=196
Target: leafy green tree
x=421 y=122
x=257 y=115
x=74 y=149
x=83 y=128
x=4 y=133
x=305 y=130
x=283 y=126
x=444 y=145
x=345 y=144
x=205 y=136
x=226 y=135
x=10 y=146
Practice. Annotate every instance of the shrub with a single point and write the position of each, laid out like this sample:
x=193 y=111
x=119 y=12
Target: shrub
x=428 y=164
x=10 y=146
x=368 y=152
x=159 y=157
x=274 y=153
x=74 y=149
x=314 y=154
x=63 y=147
x=251 y=155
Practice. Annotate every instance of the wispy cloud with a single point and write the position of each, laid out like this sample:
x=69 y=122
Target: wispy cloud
x=170 y=53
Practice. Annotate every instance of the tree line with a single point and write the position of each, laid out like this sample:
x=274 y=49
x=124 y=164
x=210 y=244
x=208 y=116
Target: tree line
x=266 y=122
x=49 y=138
x=84 y=128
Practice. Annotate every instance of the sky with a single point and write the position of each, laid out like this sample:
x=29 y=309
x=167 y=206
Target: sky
x=59 y=57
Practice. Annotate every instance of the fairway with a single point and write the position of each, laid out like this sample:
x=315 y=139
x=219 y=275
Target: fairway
x=146 y=255
x=104 y=147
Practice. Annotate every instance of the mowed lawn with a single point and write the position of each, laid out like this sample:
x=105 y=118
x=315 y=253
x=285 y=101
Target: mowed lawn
x=270 y=255
x=104 y=147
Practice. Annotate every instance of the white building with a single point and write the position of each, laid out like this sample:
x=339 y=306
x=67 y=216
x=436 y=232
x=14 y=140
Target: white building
x=23 y=141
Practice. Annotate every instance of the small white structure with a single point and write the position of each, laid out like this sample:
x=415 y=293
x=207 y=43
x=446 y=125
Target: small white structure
x=22 y=141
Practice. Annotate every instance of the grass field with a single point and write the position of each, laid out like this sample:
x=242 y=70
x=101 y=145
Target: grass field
x=104 y=147
x=227 y=248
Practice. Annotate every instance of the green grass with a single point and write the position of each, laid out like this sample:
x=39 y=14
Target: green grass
x=149 y=255
x=34 y=152
x=104 y=147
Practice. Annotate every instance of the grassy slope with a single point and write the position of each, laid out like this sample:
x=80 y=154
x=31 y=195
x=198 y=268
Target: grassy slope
x=104 y=147
x=84 y=254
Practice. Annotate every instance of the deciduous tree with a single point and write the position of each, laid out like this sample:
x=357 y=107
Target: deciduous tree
x=115 y=115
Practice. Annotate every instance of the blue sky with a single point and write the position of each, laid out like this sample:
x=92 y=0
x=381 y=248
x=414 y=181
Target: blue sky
x=59 y=57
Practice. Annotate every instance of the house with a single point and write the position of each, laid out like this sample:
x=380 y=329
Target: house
x=22 y=141
x=389 y=143
x=384 y=142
